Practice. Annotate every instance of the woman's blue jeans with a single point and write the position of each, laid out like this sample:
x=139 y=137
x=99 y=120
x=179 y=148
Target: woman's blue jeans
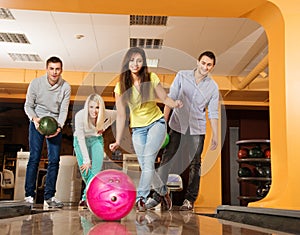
x=36 y=141
x=95 y=148
x=147 y=142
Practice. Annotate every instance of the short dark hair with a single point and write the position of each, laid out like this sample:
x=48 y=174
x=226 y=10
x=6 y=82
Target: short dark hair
x=54 y=59
x=208 y=54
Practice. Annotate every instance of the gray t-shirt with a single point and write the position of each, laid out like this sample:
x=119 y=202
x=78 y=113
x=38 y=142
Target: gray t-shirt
x=43 y=99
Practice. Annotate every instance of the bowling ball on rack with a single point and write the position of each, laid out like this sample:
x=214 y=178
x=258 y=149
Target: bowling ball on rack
x=263 y=190
x=267 y=153
x=262 y=171
x=244 y=172
x=243 y=153
x=111 y=195
x=47 y=125
x=267 y=171
x=256 y=152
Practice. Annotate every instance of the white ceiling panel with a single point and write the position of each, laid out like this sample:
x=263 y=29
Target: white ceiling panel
x=236 y=42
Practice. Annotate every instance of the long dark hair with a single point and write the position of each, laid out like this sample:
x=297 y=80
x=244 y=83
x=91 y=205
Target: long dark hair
x=126 y=78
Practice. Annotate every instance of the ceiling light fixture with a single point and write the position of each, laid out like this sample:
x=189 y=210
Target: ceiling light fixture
x=152 y=63
x=25 y=57
x=148 y=20
x=79 y=36
x=148 y=43
x=6 y=14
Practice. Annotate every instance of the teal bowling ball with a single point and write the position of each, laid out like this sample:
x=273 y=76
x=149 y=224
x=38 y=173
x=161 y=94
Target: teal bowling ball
x=48 y=125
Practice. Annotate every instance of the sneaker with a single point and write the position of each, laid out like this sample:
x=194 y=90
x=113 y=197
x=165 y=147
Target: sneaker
x=166 y=202
x=29 y=199
x=140 y=205
x=186 y=206
x=186 y=216
x=147 y=218
x=53 y=203
x=82 y=204
x=151 y=203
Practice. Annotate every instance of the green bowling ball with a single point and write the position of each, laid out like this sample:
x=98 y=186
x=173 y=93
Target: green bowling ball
x=48 y=125
x=256 y=152
x=166 y=142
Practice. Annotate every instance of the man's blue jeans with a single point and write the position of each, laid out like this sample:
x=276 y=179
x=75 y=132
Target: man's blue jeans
x=36 y=141
x=147 y=142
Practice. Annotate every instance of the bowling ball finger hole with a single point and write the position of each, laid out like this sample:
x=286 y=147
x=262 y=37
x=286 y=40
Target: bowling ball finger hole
x=112 y=181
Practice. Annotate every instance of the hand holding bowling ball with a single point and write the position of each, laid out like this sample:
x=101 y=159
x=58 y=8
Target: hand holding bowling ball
x=47 y=126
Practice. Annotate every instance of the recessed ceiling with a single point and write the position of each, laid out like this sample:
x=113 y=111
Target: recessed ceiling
x=88 y=42
x=238 y=43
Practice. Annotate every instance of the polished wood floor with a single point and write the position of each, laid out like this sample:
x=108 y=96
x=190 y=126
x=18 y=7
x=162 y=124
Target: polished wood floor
x=71 y=220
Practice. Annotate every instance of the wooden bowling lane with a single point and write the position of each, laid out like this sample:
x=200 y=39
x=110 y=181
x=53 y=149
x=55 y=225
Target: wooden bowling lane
x=73 y=221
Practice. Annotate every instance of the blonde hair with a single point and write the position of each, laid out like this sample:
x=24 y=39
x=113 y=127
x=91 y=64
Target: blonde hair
x=100 y=118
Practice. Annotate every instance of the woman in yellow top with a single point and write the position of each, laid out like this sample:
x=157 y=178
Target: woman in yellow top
x=138 y=89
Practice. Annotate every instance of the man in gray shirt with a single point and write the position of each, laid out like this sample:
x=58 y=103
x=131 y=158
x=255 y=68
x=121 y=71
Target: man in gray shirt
x=198 y=93
x=48 y=95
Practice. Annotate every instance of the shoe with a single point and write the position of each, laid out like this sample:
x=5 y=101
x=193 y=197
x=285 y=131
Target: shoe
x=186 y=216
x=186 y=206
x=53 y=203
x=151 y=217
x=82 y=204
x=147 y=218
x=151 y=203
x=140 y=205
x=166 y=202
x=29 y=199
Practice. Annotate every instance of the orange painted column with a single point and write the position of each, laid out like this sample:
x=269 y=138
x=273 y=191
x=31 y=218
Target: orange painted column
x=281 y=22
x=210 y=191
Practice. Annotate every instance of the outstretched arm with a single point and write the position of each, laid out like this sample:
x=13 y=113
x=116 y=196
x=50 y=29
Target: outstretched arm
x=120 y=122
x=162 y=95
x=214 y=127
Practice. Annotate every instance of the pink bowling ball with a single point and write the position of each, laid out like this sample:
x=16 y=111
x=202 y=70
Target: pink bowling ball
x=109 y=228
x=111 y=194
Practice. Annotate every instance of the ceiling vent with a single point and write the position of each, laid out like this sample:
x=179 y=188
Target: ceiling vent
x=14 y=37
x=146 y=43
x=148 y=20
x=5 y=14
x=25 y=57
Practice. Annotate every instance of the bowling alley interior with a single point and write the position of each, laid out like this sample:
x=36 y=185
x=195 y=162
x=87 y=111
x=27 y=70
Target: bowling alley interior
x=248 y=185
